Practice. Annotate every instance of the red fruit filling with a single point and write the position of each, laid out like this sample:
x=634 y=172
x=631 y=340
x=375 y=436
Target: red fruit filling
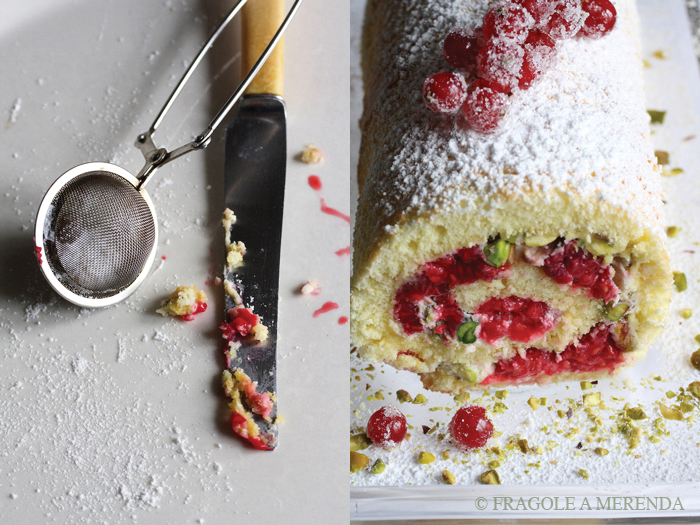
x=566 y=19
x=601 y=18
x=432 y=287
x=597 y=350
x=461 y=46
x=444 y=92
x=470 y=428
x=499 y=61
x=574 y=266
x=507 y=20
x=387 y=427
x=241 y=323
x=484 y=107
x=522 y=320
x=540 y=55
x=198 y=309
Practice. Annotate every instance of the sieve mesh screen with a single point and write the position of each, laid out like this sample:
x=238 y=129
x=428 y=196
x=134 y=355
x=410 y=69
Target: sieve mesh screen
x=100 y=235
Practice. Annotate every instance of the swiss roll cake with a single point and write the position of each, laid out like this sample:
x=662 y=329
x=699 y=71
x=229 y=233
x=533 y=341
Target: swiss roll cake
x=527 y=251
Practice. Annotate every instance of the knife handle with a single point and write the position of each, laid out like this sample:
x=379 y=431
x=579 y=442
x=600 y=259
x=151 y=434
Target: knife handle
x=260 y=21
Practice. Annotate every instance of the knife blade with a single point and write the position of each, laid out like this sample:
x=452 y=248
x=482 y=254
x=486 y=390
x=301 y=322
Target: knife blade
x=255 y=165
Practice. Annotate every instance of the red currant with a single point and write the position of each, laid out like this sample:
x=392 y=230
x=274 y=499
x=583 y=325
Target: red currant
x=387 y=427
x=484 y=107
x=470 y=428
x=566 y=20
x=500 y=62
x=507 y=20
x=444 y=92
x=540 y=54
x=461 y=46
x=601 y=18
x=540 y=10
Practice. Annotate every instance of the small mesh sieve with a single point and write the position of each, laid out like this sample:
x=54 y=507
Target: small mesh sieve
x=96 y=231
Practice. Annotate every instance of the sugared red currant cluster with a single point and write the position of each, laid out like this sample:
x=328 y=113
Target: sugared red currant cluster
x=513 y=48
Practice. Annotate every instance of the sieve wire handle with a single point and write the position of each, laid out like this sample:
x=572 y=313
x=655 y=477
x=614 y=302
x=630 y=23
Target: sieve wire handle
x=156 y=157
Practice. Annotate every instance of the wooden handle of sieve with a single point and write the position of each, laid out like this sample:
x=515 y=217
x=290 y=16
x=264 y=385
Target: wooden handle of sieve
x=260 y=21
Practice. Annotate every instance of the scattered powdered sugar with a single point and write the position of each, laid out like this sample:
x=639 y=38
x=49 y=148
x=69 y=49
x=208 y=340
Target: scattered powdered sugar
x=79 y=365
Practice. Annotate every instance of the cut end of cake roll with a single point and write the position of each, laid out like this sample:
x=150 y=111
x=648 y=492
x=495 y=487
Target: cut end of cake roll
x=535 y=254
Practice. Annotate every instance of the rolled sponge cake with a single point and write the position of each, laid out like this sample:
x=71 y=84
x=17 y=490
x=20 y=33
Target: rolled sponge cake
x=534 y=254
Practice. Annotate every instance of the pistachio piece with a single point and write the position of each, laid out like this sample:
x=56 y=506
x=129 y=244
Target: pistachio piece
x=403 y=396
x=680 y=281
x=425 y=458
x=591 y=400
x=466 y=332
x=687 y=313
x=524 y=447
x=359 y=442
x=462 y=398
x=673 y=231
x=358 y=462
x=378 y=467
x=490 y=477
x=494 y=464
x=502 y=394
x=586 y=385
x=583 y=473
x=537 y=241
x=534 y=403
x=694 y=388
x=448 y=477
x=670 y=413
x=657 y=117
x=496 y=253
x=662 y=157
x=615 y=313
x=445 y=454
x=468 y=374
x=635 y=413
x=601 y=451
x=695 y=359
x=419 y=400
x=599 y=246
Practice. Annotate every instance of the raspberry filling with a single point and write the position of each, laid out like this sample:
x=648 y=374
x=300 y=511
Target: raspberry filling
x=597 y=350
x=198 y=308
x=241 y=324
x=576 y=267
x=522 y=320
x=427 y=300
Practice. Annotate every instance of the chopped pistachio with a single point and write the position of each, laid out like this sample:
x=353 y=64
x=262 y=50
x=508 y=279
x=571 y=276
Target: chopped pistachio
x=358 y=461
x=445 y=454
x=697 y=338
x=378 y=395
x=660 y=54
x=496 y=253
x=403 y=396
x=448 y=477
x=680 y=281
x=586 y=385
x=662 y=157
x=490 y=477
x=502 y=394
x=602 y=451
x=686 y=407
x=583 y=473
x=599 y=246
x=534 y=403
x=695 y=359
x=543 y=401
x=462 y=398
x=466 y=333
x=499 y=408
x=539 y=450
x=654 y=439
x=419 y=400
x=359 y=442
x=467 y=373
x=539 y=240
x=591 y=400
x=646 y=63
x=672 y=172
x=378 y=467
x=694 y=388
x=561 y=413
x=657 y=117
x=615 y=313
x=494 y=464
x=425 y=458
x=524 y=447
x=687 y=313
x=670 y=413
x=673 y=231
x=670 y=394
x=635 y=413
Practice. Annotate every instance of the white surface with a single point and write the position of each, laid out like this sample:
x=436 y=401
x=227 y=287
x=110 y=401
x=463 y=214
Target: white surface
x=116 y=415
x=668 y=468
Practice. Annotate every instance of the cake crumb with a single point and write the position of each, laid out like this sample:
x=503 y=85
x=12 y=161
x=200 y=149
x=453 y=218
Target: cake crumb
x=311 y=288
x=311 y=155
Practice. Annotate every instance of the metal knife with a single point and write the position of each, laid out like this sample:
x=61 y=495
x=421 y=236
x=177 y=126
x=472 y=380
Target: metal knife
x=256 y=157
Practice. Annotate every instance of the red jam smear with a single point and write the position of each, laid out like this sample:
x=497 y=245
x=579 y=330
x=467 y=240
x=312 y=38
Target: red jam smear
x=240 y=426
x=241 y=323
x=520 y=319
x=576 y=267
x=37 y=250
x=595 y=351
x=198 y=309
x=435 y=283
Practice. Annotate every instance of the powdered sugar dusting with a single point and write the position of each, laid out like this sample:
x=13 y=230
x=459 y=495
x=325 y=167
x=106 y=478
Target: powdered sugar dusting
x=584 y=126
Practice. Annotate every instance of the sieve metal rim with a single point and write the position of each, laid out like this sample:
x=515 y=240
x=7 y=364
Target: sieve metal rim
x=58 y=185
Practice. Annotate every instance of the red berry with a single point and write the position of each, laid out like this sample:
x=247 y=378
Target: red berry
x=540 y=55
x=507 y=20
x=444 y=92
x=484 y=107
x=566 y=20
x=470 y=428
x=500 y=62
x=387 y=427
x=461 y=46
x=601 y=18
x=540 y=10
